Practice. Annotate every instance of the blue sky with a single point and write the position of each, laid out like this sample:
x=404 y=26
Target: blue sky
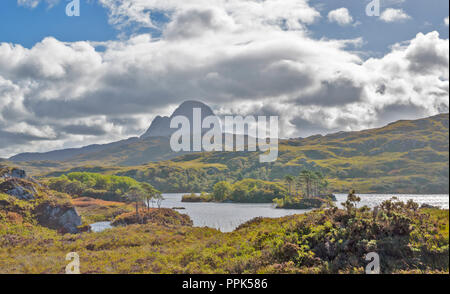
x=27 y=26
x=426 y=16
x=321 y=66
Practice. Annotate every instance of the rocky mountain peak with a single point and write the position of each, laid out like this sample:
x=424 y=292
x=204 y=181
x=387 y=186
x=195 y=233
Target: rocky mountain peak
x=160 y=127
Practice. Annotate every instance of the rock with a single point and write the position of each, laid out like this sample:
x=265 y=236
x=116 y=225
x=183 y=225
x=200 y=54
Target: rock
x=18 y=188
x=52 y=212
x=60 y=217
x=7 y=172
x=18 y=173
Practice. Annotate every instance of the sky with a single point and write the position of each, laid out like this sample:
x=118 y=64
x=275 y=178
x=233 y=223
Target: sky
x=321 y=66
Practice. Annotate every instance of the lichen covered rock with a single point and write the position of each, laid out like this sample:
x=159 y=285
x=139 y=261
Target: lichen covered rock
x=18 y=188
x=8 y=172
x=34 y=202
x=63 y=218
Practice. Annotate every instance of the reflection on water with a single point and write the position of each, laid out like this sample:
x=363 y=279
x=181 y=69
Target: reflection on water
x=372 y=200
x=224 y=216
x=227 y=216
x=100 y=226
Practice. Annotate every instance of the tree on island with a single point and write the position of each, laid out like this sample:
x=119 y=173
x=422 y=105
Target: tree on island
x=306 y=178
x=320 y=183
x=151 y=194
x=222 y=191
x=289 y=180
x=313 y=183
x=159 y=199
x=136 y=194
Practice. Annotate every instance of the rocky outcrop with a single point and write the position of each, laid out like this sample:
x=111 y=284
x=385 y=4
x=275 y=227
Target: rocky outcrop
x=6 y=172
x=63 y=218
x=18 y=188
x=50 y=211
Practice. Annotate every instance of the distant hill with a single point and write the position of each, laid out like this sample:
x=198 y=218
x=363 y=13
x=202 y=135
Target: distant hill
x=67 y=154
x=153 y=145
x=402 y=157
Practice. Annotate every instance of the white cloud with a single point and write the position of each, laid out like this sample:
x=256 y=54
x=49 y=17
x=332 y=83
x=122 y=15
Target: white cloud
x=446 y=21
x=414 y=74
x=394 y=15
x=239 y=57
x=251 y=13
x=340 y=16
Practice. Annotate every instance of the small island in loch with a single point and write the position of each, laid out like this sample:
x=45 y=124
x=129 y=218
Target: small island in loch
x=308 y=190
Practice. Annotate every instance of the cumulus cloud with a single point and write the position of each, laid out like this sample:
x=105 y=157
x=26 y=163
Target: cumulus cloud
x=340 y=16
x=394 y=15
x=244 y=57
x=446 y=21
x=251 y=13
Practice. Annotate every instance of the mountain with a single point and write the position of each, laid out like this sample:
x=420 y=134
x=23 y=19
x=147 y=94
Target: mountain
x=67 y=154
x=408 y=156
x=402 y=157
x=153 y=145
x=160 y=126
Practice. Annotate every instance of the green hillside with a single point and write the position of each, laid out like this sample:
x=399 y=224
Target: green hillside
x=402 y=157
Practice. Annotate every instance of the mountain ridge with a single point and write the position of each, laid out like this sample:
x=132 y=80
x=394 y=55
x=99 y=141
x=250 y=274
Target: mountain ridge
x=158 y=131
x=407 y=156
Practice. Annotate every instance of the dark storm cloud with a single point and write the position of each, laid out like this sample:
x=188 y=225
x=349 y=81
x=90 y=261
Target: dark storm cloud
x=395 y=112
x=107 y=102
x=13 y=138
x=84 y=130
x=305 y=128
x=257 y=74
x=426 y=59
x=194 y=22
x=333 y=93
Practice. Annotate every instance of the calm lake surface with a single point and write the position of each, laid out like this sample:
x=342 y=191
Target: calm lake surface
x=227 y=216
